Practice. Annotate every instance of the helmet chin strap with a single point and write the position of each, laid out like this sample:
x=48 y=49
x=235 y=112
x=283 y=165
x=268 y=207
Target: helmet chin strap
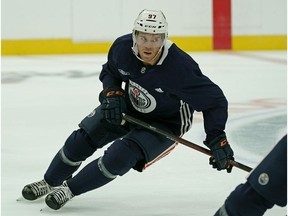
x=136 y=52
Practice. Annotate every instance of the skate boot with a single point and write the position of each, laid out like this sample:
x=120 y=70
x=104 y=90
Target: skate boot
x=59 y=197
x=36 y=190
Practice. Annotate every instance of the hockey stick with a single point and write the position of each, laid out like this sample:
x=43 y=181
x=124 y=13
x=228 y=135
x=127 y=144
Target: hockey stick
x=180 y=140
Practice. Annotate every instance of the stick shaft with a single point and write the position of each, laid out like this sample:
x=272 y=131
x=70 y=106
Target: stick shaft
x=180 y=140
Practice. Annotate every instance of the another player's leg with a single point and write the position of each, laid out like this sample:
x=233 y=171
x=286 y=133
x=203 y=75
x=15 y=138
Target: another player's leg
x=118 y=159
x=265 y=186
x=244 y=201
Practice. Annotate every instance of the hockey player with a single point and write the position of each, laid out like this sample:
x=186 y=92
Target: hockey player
x=163 y=86
x=265 y=186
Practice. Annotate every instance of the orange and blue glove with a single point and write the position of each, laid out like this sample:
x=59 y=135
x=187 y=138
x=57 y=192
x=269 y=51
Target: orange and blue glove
x=113 y=104
x=222 y=153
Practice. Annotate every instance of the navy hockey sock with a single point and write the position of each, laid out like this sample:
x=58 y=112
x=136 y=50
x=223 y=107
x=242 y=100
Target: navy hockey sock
x=58 y=171
x=89 y=178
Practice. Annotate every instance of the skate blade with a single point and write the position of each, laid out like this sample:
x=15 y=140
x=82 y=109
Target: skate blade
x=45 y=209
x=19 y=199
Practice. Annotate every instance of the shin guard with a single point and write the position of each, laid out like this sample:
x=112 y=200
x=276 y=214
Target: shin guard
x=60 y=169
x=77 y=148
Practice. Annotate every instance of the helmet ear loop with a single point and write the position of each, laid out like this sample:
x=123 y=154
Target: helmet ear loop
x=165 y=35
x=165 y=39
x=134 y=47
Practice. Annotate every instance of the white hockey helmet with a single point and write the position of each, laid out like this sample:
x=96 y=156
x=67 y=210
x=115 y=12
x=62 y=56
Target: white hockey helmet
x=152 y=22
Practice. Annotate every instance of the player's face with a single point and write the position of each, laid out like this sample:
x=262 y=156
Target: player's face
x=148 y=47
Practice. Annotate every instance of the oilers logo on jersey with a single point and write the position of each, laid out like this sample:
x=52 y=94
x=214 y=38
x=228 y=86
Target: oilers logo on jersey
x=140 y=98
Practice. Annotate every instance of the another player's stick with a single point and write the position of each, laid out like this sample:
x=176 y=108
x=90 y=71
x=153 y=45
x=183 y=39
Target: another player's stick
x=180 y=140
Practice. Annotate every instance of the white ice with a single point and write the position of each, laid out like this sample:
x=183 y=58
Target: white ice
x=45 y=97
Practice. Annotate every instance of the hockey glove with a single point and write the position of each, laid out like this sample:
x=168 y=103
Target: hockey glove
x=113 y=105
x=222 y=152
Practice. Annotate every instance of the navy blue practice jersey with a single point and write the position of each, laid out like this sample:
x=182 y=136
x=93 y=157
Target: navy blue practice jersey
x=168 y=92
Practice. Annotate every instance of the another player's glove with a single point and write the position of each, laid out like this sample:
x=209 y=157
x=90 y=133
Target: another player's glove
x=222 y=152
x=113 y=104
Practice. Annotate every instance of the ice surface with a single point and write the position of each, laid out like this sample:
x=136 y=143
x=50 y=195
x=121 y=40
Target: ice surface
x=45 y=97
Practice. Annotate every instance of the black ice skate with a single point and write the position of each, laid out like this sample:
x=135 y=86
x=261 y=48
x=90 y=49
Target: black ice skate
x=36 y=190
x=59 y=197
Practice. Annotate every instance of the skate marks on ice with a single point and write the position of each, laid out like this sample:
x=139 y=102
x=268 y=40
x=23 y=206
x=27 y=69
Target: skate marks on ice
x=39 y=205
x=16 y=77
x=33 y=207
